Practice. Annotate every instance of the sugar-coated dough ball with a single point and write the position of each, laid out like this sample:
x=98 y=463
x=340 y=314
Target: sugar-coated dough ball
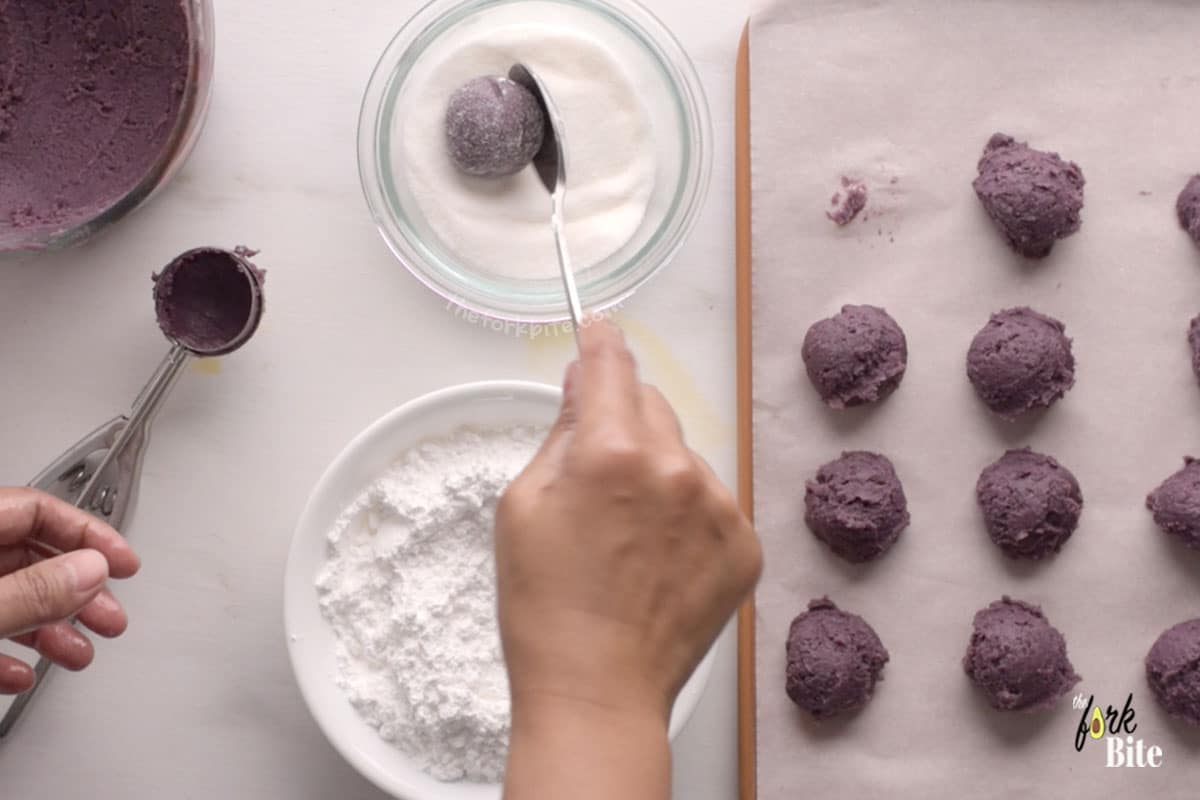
x=834 y=660
x=1019 y=361
x=856 y=505
x=1030 y=503
x=1033 y=196
x=1017 y=658
x=856 y=357
x=494 y=127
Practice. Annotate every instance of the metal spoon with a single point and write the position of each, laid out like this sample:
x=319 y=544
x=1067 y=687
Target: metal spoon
x=100 y=473
x=551 y=166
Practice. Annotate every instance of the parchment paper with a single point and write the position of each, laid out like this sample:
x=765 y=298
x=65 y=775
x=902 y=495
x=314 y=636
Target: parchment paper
x=911 y=92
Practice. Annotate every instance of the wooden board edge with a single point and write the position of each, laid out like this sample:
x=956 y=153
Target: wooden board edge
x=747 y=706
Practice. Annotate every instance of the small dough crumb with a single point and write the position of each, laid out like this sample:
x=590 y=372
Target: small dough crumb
x=848 y=202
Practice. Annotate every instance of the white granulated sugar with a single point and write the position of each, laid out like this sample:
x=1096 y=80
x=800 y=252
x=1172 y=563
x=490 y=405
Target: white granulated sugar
x=499 y=226
x=410 y=591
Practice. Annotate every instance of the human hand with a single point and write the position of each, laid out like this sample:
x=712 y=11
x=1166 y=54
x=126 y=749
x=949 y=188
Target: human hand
x=40 y=591
x=619 y=554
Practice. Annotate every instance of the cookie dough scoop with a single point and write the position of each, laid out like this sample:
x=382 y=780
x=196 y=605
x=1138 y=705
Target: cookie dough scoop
x=209 y=302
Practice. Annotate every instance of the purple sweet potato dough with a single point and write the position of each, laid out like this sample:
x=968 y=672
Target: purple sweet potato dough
x=856 y=357
x=856 y=505
x=1173 y=670
x=1018 y=658
x=1030 y=503
x=1019 y=361
x=205 y=299
x=1194 y=341
x=1176 y=504
x=89 y=96
x=834 y=660
x=494 y=127
x=1033 y=196
x=1188 y=208
x=848 y=203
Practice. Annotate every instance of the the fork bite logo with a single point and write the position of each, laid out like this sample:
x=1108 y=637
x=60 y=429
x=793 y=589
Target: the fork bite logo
x=1116 y=728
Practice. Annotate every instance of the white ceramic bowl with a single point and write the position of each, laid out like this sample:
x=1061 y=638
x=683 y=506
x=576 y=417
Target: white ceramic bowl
x=311 y=640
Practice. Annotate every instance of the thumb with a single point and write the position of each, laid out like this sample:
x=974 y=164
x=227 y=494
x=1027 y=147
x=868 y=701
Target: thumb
x=50 y=590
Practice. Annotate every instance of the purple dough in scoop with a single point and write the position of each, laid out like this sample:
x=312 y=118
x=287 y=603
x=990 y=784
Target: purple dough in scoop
x=207 y=298
x=856 y=505
x=834 y=660
x=1034 y=197
x=494 y=127
x=1018 y=658
x=1173 y=670
x=856 y=357
x=1019 y=361
x=1188 y=208
x=1176 y=504
x=1030 y=504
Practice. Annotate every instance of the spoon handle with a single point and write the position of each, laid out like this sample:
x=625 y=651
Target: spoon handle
x=565 y=267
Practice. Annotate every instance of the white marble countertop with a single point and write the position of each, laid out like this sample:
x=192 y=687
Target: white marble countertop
x=198 y=700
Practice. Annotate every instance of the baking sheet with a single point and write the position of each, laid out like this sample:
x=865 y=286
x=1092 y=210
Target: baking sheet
x=904 y=96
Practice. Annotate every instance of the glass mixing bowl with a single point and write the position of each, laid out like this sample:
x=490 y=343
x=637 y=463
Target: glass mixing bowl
x=673 y=98
x=196 y=95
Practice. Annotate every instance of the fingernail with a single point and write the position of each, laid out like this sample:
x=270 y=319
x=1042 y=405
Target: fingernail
x=87 y=569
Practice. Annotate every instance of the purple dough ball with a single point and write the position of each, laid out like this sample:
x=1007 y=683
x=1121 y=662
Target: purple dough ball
x=1030 y=503
x=856 y=505
x=1018 y=658
x=1034 y=197
x=1188 y=208
x=1176 y=504
x=1173 y=670
x=1194 y=341
x=494 y=127
x=856 y=357
x=1019 y=361
x=833 y=660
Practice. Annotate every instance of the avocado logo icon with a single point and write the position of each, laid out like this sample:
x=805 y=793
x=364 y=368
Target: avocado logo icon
x=1096 y=730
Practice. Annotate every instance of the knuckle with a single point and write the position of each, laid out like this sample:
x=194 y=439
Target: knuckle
x=614 y=457
x=680 y=480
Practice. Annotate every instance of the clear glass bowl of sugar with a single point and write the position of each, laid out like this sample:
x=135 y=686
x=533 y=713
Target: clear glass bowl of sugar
x=638 y=148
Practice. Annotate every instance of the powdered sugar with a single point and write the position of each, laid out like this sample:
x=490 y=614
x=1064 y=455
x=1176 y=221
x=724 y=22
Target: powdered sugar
x=409 y=589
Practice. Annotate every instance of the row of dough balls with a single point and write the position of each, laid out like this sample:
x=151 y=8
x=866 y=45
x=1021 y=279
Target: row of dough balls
x=1020 y=361
x=1031 y=504
x=1014 y=656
